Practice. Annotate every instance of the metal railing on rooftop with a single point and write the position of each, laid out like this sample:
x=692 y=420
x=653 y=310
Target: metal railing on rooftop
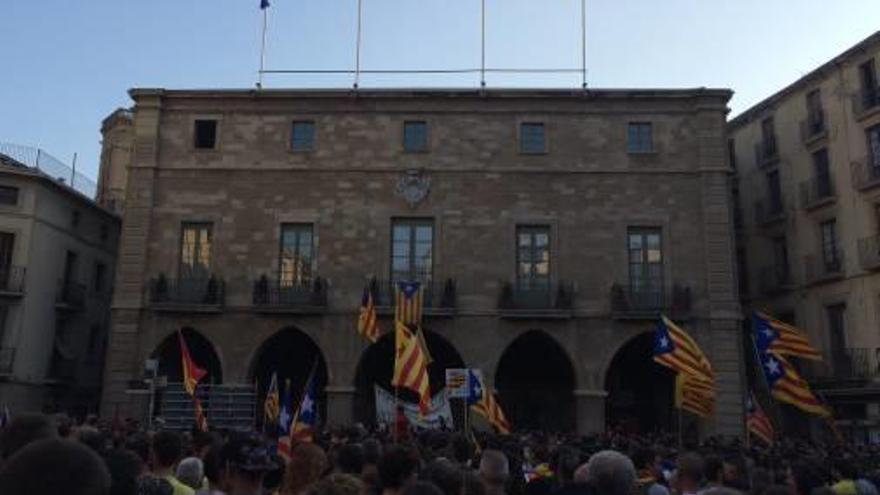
x=36 y=158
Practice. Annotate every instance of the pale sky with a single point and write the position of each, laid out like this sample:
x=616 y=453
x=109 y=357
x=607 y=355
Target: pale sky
x=69 y=63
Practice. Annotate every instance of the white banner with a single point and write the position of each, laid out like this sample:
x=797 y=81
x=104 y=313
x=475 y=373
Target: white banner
x=385 y=411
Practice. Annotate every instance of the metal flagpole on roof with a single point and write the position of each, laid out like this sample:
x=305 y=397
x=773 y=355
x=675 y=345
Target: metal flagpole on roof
x=264 y=6
x=357 y=50
x=483 y=44
x=584 y=44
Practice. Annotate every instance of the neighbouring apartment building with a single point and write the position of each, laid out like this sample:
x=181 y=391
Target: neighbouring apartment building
x=548 y=228
x=808 y=165
x=57 y=258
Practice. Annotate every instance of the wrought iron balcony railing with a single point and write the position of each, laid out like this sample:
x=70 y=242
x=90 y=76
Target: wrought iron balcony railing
x=769 y=210
x=12 y=280
x=438 y=297
x=775 y=279
x=536 y=300
x=209 y=292
x=649 y=303
x=865 y=173
x=821 y=268
x=813 y=127
x=818 y=191
x=7 y=360
x=853 y=364
x=296 y=296
x=766 y=152
x=71 y=295
x=869 y=252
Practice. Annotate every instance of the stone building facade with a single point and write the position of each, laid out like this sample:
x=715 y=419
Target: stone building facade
x=57 y=256
x=116 y=134
x=549 y=228
x=808 y=166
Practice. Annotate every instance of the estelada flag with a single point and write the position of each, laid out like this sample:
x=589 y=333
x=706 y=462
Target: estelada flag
x=786 y=385
x=192 y=374
x=757 y=422
x=676 y=350
x=411 y=366
x=782 y=339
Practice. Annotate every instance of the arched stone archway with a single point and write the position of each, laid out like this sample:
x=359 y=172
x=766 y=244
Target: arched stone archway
x=200 y=349
x=535 y=380
x=293 y=355
x=377 y=365
x=640 y=391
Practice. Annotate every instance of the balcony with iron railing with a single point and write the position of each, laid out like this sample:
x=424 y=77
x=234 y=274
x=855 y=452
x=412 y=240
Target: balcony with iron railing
x=273 y=295
x=865 y=173
x=196 y=294
x=852 y=364
x=869 y=252
x=866 y=102
x=820 y=268
x=439 y=296
x=817 y=192
x=770 y=210
x=766 y=153
x=7 y=360
x=775 y=279
x=536 y=300
x=813 y=127
x=71 y=296
x=12 y=281
x=628 y=302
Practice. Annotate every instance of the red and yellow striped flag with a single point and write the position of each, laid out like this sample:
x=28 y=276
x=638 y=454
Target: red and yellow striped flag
x=408 y=301
x=368 y=323
x=411 y=366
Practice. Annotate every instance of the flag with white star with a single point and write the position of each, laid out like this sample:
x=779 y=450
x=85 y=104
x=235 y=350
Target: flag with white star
x=778 y=337
x=676 y=350
x=786 y=385
x=304 y=422
x=285 y=415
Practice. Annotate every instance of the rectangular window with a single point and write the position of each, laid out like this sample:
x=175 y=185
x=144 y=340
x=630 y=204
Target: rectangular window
x=8 y=195
x=869 y=83
x=296 y=255
x=837 y=336
x=645 y=258
x=195 y=250
x=532 y=138
x=205 y=134
x=822 y=172
x=830 y=254
x=100 y=275
x=774 y=192
x=533 y=256
x=412 y=250
x=7 y=242
x=768 y=137
x=731 y=153
x=639 y=137
x=302 y=135
x=415 y=135
x=815 y=115
x=873 y=135
x=780 y=258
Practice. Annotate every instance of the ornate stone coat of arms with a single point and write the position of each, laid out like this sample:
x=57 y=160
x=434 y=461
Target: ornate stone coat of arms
x=413 y=187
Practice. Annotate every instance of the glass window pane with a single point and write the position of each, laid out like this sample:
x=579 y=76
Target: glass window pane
x=415 y=136
x=303 y=135
x=424 y=233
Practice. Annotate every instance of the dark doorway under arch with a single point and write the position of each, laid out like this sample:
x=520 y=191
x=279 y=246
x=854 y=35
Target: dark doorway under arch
x=200 y=349
x=640 y=391
x=293 y=355
x=535 y=382
x=377 y=365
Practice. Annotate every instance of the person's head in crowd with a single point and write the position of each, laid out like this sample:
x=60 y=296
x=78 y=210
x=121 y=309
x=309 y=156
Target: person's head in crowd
x=91 y=437
x=473 y=484
x=166 y=448
x=762 y=479
x=645 y=461
x=720 y=490
x=582 y=474
x=153 y=485
x=338 y=484
x=350 y=459
x=778 y=490
x=306 y=465
x=462 y=449
x=713 y=470
x=804 y=476
x=190 y=472
x=370 y=471
x=494 y=470
x=446 y=475
x=125 y=468
x=688 y=473
x=822 y=490
x=139 y=444
x=22 y=430
x=421 y=488
x=567 y=460
x=212 y=464
x=55 y=466
x=735 y=472
x=611 y=473
x=397 y=467
x=843 y=469
x=246 y=460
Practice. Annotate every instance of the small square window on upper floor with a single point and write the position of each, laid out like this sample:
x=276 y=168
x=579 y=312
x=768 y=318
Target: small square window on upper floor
x=205 y=134
x=532 y=138
x=8 y=195
x=415 y=136
x=302 y=135
x=639 y=137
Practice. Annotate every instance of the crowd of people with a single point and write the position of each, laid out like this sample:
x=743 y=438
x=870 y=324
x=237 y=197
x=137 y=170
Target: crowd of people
x=41 y=455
